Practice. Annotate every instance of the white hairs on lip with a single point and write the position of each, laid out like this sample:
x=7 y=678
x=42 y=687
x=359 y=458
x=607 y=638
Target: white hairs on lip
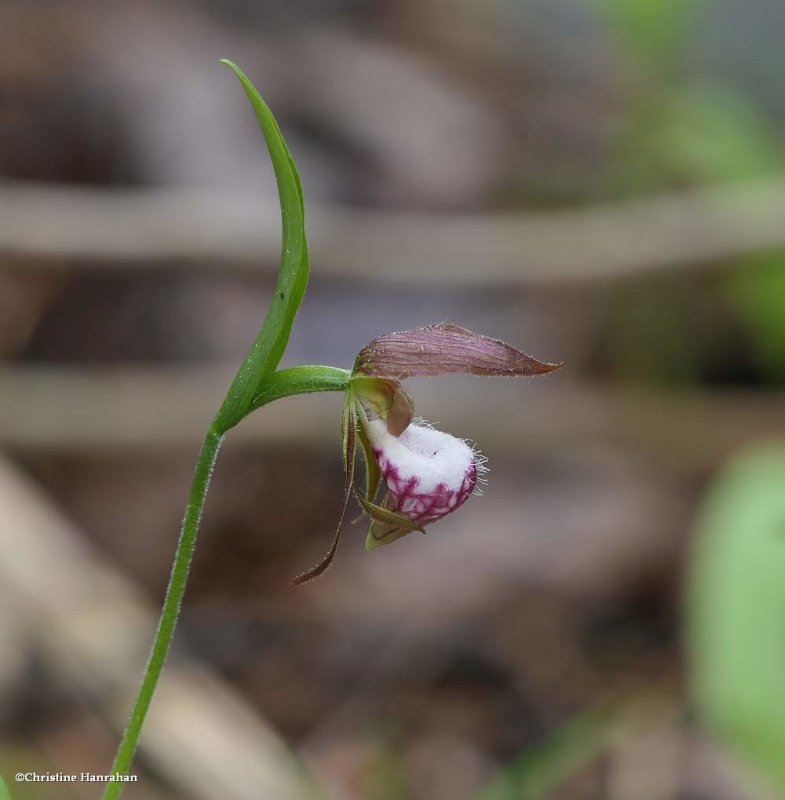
x=480 y=461
x=432 y=456
x=481 y=465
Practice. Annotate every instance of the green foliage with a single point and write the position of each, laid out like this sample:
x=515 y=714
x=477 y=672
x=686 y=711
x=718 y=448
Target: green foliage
x=736 y=610
x=4 y=793
x=653 y=32
x=269 y=346
x=543 y=767
x=680 y=134
x=717 y=137
x=706 y=134
x=757 y=289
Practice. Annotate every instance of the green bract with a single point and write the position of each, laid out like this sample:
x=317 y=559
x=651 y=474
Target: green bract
x=270 y=343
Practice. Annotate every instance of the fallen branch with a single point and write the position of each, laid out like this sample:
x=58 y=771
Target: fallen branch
x=47 y=409
x=215 y=230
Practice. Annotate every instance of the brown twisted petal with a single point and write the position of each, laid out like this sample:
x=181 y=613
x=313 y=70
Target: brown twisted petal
x=445 y=349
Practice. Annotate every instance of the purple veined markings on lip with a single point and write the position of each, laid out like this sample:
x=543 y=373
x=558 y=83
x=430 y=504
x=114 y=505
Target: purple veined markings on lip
x=428 y=473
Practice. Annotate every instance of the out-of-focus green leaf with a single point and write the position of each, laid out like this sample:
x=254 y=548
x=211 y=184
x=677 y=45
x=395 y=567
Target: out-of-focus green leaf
x=4 y=793
x=654 y=32
x=757 y=289
x=269 y=346
x=736 y=610
x=677 y=133
x=546 y=765
x=702 y=135
x=712 y=136
x=706 y=134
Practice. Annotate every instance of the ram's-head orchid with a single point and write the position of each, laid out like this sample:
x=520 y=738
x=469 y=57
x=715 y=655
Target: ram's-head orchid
x=415 y=475
x=421 y=473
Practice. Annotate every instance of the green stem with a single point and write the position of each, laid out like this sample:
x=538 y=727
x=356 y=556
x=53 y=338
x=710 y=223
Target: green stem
x=284 y=383
x=170 y=611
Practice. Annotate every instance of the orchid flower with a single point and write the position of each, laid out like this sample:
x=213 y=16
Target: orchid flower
x=426 y=473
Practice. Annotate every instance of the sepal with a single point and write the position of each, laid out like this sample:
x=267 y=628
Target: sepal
x=444 y=349
x=349 y=445
x=386 y=525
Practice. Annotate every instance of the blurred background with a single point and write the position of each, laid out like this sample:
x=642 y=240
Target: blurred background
x=598 y=182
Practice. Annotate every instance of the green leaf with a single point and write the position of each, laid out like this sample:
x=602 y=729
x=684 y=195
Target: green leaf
x=4 y=793
x=736 y=610
x=269 y=346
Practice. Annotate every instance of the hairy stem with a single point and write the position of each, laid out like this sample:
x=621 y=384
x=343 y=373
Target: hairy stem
x=170 y=611
x=284 y=383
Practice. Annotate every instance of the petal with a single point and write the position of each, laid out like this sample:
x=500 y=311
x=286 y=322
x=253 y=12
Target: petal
x=442 y=349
